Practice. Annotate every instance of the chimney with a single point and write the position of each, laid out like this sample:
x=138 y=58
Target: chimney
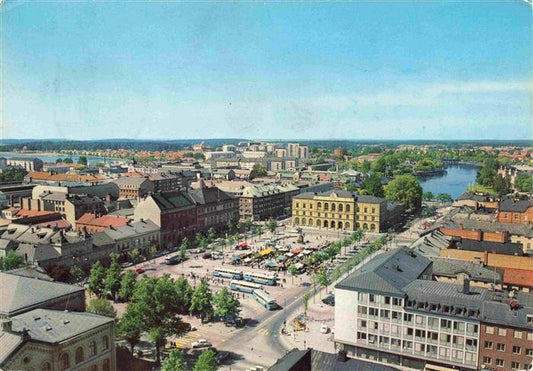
x=466 y=286
x=6 y=325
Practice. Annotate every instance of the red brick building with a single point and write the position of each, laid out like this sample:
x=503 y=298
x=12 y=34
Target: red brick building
x=515 y=211
x=92 y=223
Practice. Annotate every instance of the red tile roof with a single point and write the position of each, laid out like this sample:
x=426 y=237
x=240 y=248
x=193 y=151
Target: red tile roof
x=42 y=175
x=103 y=221
x=518 y=277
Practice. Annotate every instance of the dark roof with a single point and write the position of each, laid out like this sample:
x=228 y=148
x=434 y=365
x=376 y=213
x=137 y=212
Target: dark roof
x=172 y=200
x=477 y=271
x=370 y=199
x=517 y=206
x=84 y=200
x=290 y=361
x=387 y=273
x=330 y=193
x=507 y=248
x=211 y=195
x=473 y=197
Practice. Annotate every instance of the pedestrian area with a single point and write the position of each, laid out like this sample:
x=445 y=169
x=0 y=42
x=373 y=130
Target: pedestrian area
x=187 y=339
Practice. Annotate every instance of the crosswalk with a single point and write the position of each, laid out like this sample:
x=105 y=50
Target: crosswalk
x=263 y=331
x=187 y=338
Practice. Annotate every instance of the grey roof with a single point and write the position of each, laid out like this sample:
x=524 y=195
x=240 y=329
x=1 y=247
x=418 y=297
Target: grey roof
x=322 y=361
x=37 y=252
x=211 y=195
x=84 y=200
x=40 y=235
x=54 y=326
x=477 y=272
x=131 y=229
x=31 y=272
x=173 y=200
x=432 y=243
x=486 y=226
x=268 y=189
x=53 y=196
x=473 y=197
x=387 y=273
x=370 y=199
x=507 y=248
x=102 y=239
x=20 y=292
x=131 y=180
x=330 y=193
x=498 y=312
x=9 y=342
x=517 y=206
x=290 y=360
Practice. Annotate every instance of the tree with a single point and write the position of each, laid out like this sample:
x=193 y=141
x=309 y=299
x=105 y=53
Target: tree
x=174 y=362
x=152 y=251
x=271 y=225
x=59 y=160
x=226 y=304
x=428 y=196
x=113 y=277
x=127 y=286
x=77 y=273
x=292 y=271
x=406 y=189
x=248 y=224
x=68 y=160
x=373 y=186
x=444 y=197
x=158 y=336
x=202 y=301
x=131 y=325
x=322 y=278
x=184 y=293
x=135 y=255
x=230 y=226
x=102 y=307
x=258 y=171
x=206 y=362
x=82 y=160
x=97 y=279
x=305 y=300
x=211 y=234
x=12 y=260
x=524 y=183
x=502 y=185
x=487 y=173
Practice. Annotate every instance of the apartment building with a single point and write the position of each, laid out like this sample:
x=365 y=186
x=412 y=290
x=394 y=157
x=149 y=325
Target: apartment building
x=262 y=202
x=214 y=207
x=173 y=212
x=515 y=211
x=28 y=164
x=392 y=312
x=134 y=186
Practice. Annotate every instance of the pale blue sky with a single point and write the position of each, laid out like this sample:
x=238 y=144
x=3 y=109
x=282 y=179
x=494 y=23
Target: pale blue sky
x=373 y=70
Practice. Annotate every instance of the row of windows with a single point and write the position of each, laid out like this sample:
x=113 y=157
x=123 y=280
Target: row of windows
x=319 y=223
x=327 y=207
x=501 y=363
x=517 y=334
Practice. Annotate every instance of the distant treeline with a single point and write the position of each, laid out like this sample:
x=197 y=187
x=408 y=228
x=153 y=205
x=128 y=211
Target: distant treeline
x=185 y=144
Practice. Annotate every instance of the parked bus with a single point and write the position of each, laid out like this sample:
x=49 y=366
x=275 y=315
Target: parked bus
x=262 y=278
x=171 y=260
x=265 y=299
x=244 y=286
x=228 y=273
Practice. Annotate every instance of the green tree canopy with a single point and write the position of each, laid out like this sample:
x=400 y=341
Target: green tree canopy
x=97 y=279
x=127 y=285
x=524 y=183
x=174 y=362
x=12 y=260
x=184 y=293
x=82 y=160
x=202 y=301
x=102 y=307
x=258 y=171
x=373 y=186
x=226 y=304
x=131 y=325
x=406 y=189
x=113 y=277
x=206 y=362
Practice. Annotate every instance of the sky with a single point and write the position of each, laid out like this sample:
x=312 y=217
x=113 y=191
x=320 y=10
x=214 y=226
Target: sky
x=269 y=70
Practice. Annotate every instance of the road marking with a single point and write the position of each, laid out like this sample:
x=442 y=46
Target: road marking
x=263 y=331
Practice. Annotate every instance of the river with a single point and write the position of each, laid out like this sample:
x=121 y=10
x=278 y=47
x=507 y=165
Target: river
x=454 y=182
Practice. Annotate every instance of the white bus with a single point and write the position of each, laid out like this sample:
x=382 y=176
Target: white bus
x=262 y=278
x=228 y=273
x=265 y=299
x=244 y=286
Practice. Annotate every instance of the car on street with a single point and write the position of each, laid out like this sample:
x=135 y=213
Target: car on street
x=126 y=265
x=207 y=255
x=222 y=356
x=138 y=270
x=324 y=329
x=329 y=300
x=201 y=343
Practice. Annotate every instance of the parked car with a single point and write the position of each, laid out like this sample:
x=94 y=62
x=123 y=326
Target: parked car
x=324 y=329
x=138 y=270
x=222 y=356
x=201 y=343
x=207 y=255
x=329 y=300
x=126 y=265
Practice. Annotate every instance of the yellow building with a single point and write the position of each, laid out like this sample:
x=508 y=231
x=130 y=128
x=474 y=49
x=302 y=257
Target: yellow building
x=333 y=210
x=343 y=210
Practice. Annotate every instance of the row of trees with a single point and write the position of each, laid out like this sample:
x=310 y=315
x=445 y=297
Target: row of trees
x=487 y=176
x=442 y=197
x=156 y=303
x=13 y=174
x=176 y=362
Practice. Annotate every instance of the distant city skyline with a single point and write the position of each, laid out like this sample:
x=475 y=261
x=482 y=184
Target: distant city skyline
x=356 y=71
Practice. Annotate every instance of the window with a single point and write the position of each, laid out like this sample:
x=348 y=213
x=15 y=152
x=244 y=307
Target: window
x=489 y=330
x=64 y=361
x=92 y=348
x=500 y=347
x=46 y=367
x=500 y=362
x=487 y=360
x=529 y=319
x=502 y=332
x=488 y=344
x=517 y=349
x=517 y=334
x=515 y=365
x=529 y=352
x=106 y=365
x=105 y=342
x=372 y=298
x=79 y=355
x=530 y=335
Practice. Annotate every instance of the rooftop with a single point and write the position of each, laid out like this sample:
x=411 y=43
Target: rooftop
x=517 y=206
